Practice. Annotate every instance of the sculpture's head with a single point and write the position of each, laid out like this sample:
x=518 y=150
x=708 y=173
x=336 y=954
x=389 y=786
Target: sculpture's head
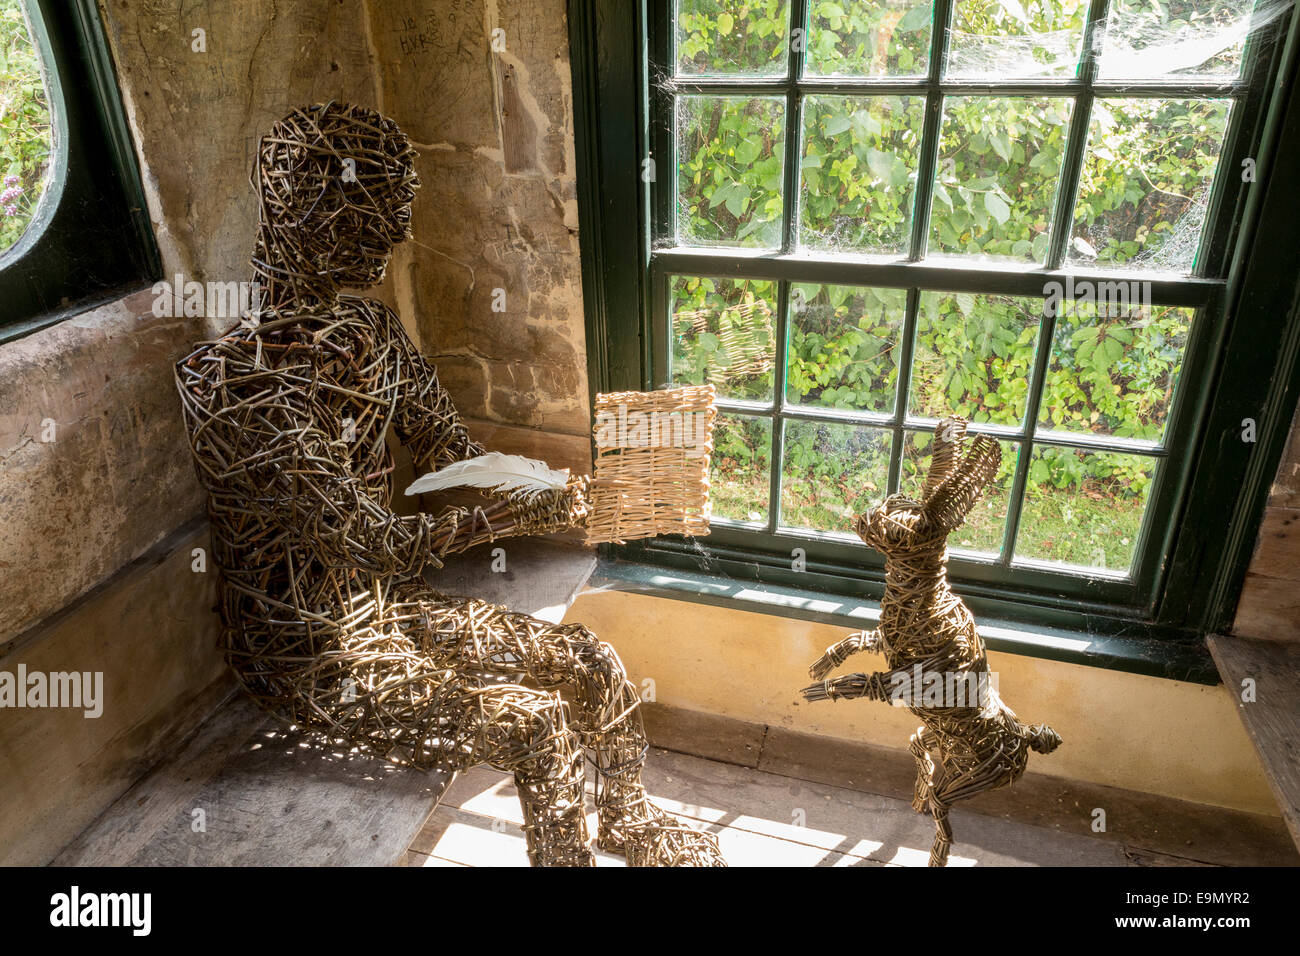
x=959 y=470
x=335 y=184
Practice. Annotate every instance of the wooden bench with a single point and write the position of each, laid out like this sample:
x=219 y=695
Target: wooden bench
x=1272 y=719
x=243 y=791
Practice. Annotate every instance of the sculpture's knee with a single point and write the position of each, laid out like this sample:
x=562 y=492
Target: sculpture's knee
x=545 y=731
x=599 y=671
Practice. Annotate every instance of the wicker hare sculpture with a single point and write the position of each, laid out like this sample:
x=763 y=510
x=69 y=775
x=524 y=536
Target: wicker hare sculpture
x=969 y=741
x=326 y=619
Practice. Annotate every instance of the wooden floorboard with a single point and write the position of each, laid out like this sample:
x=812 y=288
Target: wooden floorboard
x=764 y=819
x=1135 y=821
x=1272 y=719
x=244 y=792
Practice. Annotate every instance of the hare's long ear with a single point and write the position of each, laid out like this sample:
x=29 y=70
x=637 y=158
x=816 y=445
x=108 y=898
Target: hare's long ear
x=947 y=508
x=949 y=437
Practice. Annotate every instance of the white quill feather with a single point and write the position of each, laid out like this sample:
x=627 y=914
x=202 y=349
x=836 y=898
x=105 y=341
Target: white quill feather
x=494 y=470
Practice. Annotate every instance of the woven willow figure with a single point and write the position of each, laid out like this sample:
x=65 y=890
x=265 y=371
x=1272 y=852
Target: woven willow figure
x=326 y=620
x=969 y=741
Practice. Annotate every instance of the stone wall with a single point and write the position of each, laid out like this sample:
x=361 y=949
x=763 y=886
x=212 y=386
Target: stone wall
x=494 y=283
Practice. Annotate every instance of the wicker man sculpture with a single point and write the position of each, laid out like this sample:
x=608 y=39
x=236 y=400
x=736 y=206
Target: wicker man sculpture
x=969 y=741
x=325 y=617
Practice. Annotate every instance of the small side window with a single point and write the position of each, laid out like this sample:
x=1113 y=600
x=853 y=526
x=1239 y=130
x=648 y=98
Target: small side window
x=74 y=230
x=26 y=129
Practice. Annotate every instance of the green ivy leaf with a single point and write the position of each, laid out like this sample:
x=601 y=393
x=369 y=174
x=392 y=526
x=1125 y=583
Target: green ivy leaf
x=998 y=209
x=915 y=18
x=837 y=124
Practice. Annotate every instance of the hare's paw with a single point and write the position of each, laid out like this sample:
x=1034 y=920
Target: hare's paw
x=817 y=692
x=1043 y=739
x=837 y=654
x=823 y=666
x=848 y=687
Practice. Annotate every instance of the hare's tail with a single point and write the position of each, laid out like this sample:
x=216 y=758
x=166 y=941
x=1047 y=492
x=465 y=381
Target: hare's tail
x=1043 y=739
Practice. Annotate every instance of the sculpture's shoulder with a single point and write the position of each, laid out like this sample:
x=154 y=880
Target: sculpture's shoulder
x=385 y=322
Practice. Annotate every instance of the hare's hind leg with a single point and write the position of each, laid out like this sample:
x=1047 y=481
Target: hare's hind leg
x=920 y=745
x=928 y=795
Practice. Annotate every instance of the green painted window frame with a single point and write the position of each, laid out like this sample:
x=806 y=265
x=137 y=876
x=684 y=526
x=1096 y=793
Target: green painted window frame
x=1241 y=364
x=92 y=241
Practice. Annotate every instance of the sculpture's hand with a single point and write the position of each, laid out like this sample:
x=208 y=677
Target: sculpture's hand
x=848 y=687
x=554 y=510
x=837 y=654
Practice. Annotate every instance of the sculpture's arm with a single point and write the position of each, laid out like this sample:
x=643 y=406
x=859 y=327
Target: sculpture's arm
x=307 y=491
x=426 y=419
x=838 y=653
x=427 y=423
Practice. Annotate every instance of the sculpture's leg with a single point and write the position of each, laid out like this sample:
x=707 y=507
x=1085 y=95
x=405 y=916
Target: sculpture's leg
x=606 y=718
x=524 y=731
x=607 y=715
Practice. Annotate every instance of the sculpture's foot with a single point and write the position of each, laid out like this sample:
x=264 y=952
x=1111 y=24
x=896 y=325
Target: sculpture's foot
x=657 y=839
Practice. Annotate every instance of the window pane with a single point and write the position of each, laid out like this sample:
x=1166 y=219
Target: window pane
x=26 y=133
x=722 y=333
x=999 y=165
x=1145 y=185
x=844 y=346
x=986 y=524
x=973 y=356
x=1002 y=39
x=1155 y=38
x=1114 y=364
x=732 y=37
x=831 y=473
x=730 y=163
x=1083 y=508
x=883 y=38
x=740 y=474
x=859 y=172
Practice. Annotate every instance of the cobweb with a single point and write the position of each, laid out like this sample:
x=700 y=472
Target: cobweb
x=1141 y=46
x=1132 y=44
x=1050 y=53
